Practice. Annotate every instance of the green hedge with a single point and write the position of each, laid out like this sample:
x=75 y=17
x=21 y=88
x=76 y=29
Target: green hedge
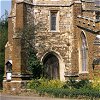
x=68 y=89
x=62 y=93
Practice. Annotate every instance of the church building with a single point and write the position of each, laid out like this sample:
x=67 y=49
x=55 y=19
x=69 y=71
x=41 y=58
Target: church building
x=66 y=37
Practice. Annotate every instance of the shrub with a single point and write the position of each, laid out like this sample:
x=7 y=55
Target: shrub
x=72 y=83
x=34 y=65
x=60 y=92
x=71 y=88
x=45 y=83
x=33 y=84
x=55 y=84
x=96 y=83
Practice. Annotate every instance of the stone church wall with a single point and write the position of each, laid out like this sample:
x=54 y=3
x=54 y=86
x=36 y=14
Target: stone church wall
x=64 y=43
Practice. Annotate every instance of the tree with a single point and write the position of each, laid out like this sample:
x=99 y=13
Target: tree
x=34 y=65
x=27 y=34
x=3 y=40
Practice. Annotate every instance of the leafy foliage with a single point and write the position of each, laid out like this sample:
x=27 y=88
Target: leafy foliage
x=45 y=83
x=96 y=82
x=56 y=88
x=76 y=93
x=34 y=65
x=72 y=83
x=27 y=34
x=3 y=40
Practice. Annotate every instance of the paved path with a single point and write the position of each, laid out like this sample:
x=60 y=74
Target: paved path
x=7 y=97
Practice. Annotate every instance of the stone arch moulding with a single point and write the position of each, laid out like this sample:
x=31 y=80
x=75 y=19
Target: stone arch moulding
x=61 y=63
x=83 y=53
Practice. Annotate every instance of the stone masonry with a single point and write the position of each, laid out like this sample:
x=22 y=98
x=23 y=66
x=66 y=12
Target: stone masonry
x=73 y=42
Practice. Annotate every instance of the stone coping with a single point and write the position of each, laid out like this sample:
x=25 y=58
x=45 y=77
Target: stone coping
x=88 y=18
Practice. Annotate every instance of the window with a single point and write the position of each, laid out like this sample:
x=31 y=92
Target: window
x=97 y=3
x=98 y=15
x=84 y=53
x=53 y=20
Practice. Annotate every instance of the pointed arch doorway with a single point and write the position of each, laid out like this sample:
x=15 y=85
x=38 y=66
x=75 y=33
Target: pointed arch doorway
x=51 y=66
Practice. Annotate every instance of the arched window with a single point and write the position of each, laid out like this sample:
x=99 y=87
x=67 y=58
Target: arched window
x=51 y=66
x=83 y=52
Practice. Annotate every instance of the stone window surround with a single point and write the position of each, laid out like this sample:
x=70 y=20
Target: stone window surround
x=61 y=62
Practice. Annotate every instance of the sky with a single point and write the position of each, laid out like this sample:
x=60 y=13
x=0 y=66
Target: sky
x=4 y=5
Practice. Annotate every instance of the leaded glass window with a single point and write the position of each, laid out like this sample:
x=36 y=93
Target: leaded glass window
x=84 y=52
x=53 y=21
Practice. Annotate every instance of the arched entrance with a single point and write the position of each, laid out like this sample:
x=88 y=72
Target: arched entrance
x=51 y=66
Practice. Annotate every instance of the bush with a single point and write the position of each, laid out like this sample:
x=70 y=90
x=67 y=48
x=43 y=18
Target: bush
x=96 y=83
x=72 y=83
x=34 y=65
x=45 y=83
x=55 y=84
x=33 y=84
x=71 y=88
x=60 y=92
